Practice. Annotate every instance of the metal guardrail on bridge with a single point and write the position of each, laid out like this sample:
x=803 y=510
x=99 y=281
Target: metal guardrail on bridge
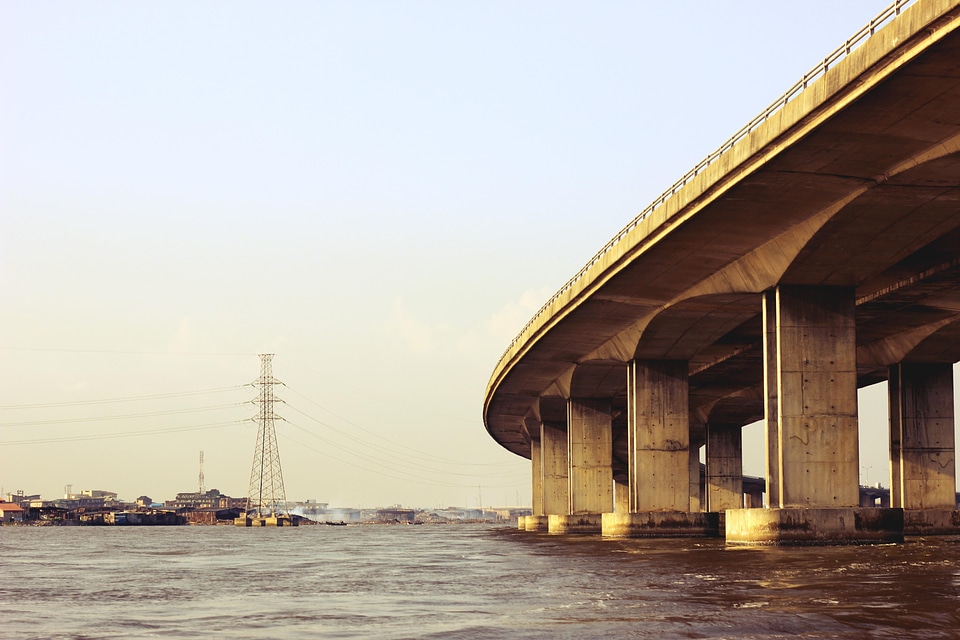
x=841 y=52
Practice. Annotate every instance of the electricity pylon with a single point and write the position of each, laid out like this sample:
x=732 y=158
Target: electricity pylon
x=266 y=497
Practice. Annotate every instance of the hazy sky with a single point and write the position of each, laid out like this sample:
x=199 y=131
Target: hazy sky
x=380 y=193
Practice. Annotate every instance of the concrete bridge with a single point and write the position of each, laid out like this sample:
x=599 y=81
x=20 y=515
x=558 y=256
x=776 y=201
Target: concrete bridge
x=816 y=252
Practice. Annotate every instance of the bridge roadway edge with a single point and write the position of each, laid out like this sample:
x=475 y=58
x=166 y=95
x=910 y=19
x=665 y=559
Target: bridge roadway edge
x=893 y=47
x=795 y=120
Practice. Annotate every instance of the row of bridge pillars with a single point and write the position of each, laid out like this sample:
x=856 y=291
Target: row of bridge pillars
x=812 y=475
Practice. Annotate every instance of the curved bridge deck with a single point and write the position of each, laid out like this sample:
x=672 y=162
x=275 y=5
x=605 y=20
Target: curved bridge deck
x=844 y=202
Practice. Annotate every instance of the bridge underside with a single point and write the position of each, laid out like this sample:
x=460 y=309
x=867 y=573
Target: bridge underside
x=847 y=207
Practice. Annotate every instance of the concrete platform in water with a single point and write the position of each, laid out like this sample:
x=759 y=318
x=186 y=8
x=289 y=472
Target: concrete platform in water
x=271 y=521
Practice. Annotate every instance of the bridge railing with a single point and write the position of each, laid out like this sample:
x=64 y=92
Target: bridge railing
x=841 y=52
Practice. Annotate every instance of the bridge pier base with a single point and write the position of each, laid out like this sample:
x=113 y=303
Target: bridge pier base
x=661 y=524
x=536 y=523
x=814 y=526
x=576 y=523
x=931 y=522
x=810 y=371
x=922 y=447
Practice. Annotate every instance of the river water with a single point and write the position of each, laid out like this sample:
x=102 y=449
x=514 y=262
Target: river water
x=466 y=581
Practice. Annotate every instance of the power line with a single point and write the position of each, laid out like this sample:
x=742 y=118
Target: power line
x=118 y=417
x=384 y=455
x=416 y=452
x=390 y=463
x=369 y=391
x=77 y=403
x=406 y=476
x=125 y=434
x=374 y=470
x=127 y=353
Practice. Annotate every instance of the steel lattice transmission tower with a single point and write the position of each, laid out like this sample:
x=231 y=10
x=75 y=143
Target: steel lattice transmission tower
x=266 y=497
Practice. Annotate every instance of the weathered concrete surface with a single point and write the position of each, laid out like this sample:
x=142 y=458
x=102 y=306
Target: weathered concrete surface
x=922 y=448
x=556 y=486
x=536 y=477
x=536 y=523
x=621 y=497
x=659 y=436
x=698 y=497
x=752 y=495
x=579 y=523
x=929 y=522
x=771 y=391
x=818 y=449
x=724 y=467
x=590 y=446
x=804 y=526
x=661 y=524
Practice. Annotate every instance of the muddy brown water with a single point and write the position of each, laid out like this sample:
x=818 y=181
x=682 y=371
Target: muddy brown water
x=467 y=581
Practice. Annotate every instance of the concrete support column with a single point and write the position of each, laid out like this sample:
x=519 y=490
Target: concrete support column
x=590 y=442
x=589 y=467
x=621 y=497
x=553 y=456
x=660 y=458
x=724 y=467
x=537 y=520
x=817 y=397
x=536 y=477
x=922 y=448
x=752 y=495
x=771 y=413
x=659 y=434
x=697 y=498
x=810 y=352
